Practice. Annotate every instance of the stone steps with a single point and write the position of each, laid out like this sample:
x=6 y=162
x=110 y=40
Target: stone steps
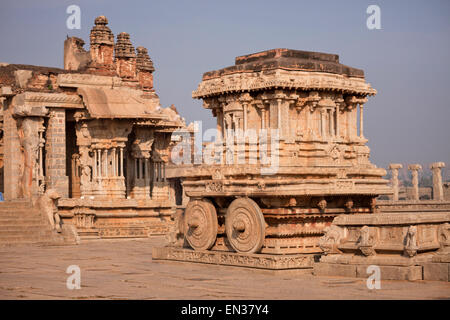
x=21 y=223
x=18 y=217
x=28 y=228
x=12 y=241
x=15 y=205
x=13 y=213
x=24 y=220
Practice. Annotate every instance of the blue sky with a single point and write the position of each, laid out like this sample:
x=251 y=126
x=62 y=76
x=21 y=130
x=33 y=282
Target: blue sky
x=407 y=61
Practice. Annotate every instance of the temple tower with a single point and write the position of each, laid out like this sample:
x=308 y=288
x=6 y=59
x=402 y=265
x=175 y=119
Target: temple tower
x=125 y=57
x=102 y=44
x=145 y=68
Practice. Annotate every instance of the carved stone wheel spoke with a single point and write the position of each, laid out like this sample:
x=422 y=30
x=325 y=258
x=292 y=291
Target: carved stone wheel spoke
x=245 y=226
x=200 y=221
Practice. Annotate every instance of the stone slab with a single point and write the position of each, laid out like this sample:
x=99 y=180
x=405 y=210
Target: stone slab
x=397 y=218
x=260 y=261
x=436 y=271
x=443 y=258
x=382 y=259
x=360 y=271
x=331 y=269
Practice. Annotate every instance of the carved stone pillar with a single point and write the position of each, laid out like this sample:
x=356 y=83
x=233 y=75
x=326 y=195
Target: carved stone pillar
x=312 y=102
x=219 y=127
x=114 y=162
x=414 y=168
x=327 y=105
x=86 y=168
x=275 y=112
x=99 y=164
x=438 y=190
x=394 y=170
x=95 y=171
x=29 y=140
x=88 y=158
x=262 y=109
x=361 y=122
x=105 y=153
x=339 y=105
x=55 y=147
x=225 y=120
x=323 y=130
x=331 y=122
x=141 y=184
x=121 y=161
x=299 y=105
x=141 y=153
x=351 y=102
x=245 y=99
x=12 y=152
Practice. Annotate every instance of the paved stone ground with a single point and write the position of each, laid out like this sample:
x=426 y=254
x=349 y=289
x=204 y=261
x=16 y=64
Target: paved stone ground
x=123 y=269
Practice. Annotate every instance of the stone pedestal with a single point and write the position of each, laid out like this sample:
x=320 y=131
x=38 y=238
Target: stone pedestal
x=438 y=190
x=394 y=180
x=414 y=168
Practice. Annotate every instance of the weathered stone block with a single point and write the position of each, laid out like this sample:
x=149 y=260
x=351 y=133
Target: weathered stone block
x=436 y=271
x=444 y=258
x=331 y=269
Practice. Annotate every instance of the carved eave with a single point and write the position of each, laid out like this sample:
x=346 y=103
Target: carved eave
x=290 y=80
x=150 y=122
x=52 y=100
x=28 y=111
x=162 y=124
x=80 y=80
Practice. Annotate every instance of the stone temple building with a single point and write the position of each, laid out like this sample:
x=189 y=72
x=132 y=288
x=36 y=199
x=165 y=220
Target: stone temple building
x=93 y=133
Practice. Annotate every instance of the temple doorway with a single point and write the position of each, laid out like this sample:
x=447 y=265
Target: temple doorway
x=73 y=166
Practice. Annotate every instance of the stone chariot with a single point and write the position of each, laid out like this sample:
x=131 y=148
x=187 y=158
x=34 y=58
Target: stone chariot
x=314 y=106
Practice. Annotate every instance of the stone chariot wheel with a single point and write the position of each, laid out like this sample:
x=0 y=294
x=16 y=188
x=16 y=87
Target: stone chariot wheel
x=245 y=226
x=200 y=224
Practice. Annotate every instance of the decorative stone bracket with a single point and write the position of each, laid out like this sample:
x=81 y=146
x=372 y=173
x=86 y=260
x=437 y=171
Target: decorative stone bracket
x=367 y=241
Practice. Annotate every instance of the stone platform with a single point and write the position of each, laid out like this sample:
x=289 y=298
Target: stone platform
x=427 y=267
x=226 y=258
x=116 y=218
